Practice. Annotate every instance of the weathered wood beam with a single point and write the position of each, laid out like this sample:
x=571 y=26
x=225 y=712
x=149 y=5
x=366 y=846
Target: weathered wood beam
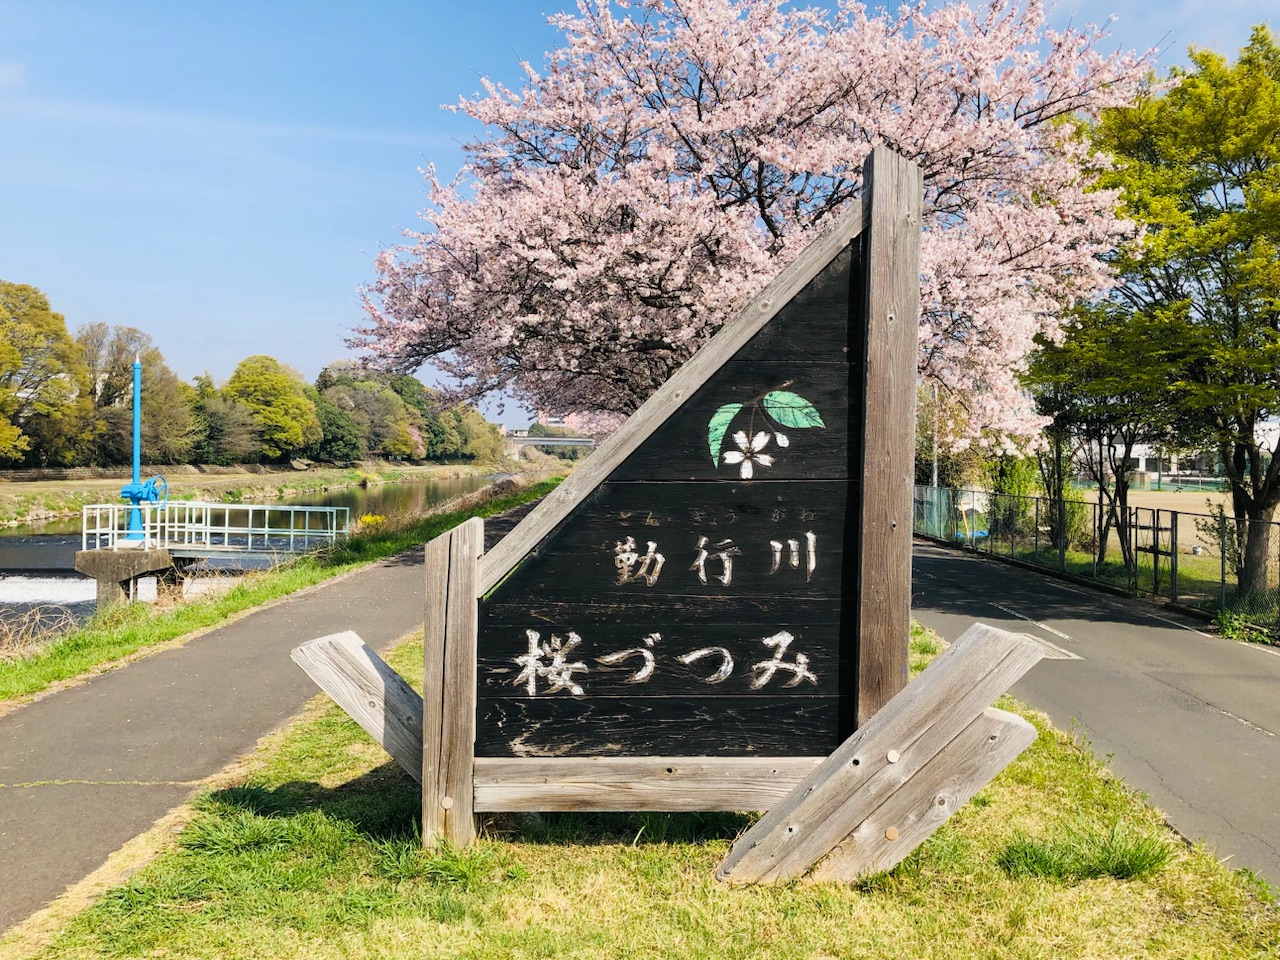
x=926 y=801
x=891 y=261
x=449 y=677
x=675 y=784
x=898 y=744
x=373 y=694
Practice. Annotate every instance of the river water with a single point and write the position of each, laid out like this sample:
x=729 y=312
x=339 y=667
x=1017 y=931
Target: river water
x=36 y=561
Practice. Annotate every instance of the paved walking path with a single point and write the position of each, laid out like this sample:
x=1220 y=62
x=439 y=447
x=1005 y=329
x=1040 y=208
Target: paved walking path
x=87 y=769
x=1192 y=720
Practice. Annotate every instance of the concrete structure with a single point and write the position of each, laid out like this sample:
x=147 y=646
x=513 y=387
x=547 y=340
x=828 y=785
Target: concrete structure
x=118 y=571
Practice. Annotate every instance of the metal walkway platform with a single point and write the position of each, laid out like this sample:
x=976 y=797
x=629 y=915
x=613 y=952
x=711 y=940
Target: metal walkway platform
x=195 y=530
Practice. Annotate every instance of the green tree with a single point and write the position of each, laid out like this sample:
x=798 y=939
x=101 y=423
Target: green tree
x=285 y=419
x=1108 y=388
x=44 y=387
x=1198 y=166
x=341 y=437
x=170 y=426
x=480 y=439
x=381 y=418
x=226 y=432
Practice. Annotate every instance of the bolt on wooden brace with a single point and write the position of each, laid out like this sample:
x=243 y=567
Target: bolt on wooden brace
x=713 y=611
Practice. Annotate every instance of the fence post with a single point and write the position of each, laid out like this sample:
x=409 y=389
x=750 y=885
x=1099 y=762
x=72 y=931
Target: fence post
x=1155 y=555
x=1013 y=525
x=1036 y=539
x=1133 y=549
x=1222 y=554
x=449 y=680
x=1097 y=538
x=1173 y=556
x=1062 y=534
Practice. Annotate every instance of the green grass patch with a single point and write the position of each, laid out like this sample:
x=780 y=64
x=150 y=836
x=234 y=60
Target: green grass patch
x=318 y=855
x=127 y=629
x=1121 y=852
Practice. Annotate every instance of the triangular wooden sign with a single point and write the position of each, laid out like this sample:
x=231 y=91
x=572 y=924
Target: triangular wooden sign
x=729 y=575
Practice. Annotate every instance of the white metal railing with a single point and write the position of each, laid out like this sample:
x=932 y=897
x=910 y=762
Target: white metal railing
x=212 y=528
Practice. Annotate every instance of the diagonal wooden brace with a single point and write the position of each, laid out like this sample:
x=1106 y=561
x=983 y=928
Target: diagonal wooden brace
x=373 y=694
x=922 y=804
x=920 y=743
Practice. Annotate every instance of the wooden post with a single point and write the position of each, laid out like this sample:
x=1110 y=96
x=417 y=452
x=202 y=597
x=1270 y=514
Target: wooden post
x=891 y=231
x=449 y=680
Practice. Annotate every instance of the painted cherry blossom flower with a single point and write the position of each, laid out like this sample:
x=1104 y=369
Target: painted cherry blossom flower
x=749 y=452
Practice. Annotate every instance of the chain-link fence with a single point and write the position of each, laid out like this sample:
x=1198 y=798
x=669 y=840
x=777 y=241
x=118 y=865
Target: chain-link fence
x=1194 y=559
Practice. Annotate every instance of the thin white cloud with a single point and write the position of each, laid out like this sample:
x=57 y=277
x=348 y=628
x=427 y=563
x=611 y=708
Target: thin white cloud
x=103 y=114
x=12 y=74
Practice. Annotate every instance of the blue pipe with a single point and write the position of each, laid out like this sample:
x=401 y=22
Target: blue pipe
x=134 y=490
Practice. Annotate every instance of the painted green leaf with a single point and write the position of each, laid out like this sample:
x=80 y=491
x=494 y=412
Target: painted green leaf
x=718 y=426
x=792 y=410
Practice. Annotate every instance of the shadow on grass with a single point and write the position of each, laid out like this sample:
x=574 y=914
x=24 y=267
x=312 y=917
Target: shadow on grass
x=385 y=804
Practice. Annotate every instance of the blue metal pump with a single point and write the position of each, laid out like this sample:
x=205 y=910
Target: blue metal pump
x=137 y=492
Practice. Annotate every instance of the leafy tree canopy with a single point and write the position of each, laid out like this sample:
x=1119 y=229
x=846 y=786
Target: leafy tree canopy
x=285 y=419
x=1198 y=166
x=43 y=380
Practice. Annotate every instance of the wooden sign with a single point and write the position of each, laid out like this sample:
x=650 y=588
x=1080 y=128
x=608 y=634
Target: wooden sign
x=712 y=612
x=730 y=574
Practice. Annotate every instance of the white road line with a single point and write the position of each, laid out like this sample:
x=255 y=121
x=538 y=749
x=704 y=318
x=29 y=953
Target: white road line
x=1248 y=723
x=1051 y=650
x=1263 y=648
x=1042 y=626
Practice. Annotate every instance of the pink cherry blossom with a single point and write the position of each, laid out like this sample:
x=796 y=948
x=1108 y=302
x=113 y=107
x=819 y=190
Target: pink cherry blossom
x=673 y=155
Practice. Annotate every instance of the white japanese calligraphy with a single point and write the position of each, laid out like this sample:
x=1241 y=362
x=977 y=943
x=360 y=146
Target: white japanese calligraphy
x=558 y=672
x=646 y=668
x=793 y=547
x=725 y=552
x=765 y=669
x=625 y=559
x=722 y=672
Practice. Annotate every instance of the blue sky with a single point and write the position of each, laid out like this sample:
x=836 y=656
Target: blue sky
x=219 y=174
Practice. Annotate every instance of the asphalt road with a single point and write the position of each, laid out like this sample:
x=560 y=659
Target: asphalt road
x=1190 y=719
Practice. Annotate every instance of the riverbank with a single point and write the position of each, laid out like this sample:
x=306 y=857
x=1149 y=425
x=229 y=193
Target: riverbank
x=124 y=632
x=37 y=501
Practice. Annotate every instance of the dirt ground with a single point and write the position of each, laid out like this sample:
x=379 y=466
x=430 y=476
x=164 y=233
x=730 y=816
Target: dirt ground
x=1190 y=501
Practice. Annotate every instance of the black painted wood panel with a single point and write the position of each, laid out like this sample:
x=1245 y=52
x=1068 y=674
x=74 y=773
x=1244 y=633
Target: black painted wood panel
x=701 y=600
x=753 y=533
x=659 y=653
x=788 y=726
x=682 y=450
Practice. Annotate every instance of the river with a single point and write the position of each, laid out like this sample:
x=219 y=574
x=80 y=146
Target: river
x=36 y=561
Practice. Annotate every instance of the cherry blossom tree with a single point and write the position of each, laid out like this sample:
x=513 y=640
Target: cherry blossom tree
x=673 y=155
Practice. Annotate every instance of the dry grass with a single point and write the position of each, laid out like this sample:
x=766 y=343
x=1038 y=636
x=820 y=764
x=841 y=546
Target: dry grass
x=317 y=856
x=21 y=633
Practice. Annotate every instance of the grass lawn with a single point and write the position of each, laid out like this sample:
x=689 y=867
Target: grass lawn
x=128 y=629
x=317 y=855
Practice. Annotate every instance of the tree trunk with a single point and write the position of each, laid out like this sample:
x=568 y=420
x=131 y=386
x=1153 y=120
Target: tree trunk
x=1255 y=490
x=1251 y=571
